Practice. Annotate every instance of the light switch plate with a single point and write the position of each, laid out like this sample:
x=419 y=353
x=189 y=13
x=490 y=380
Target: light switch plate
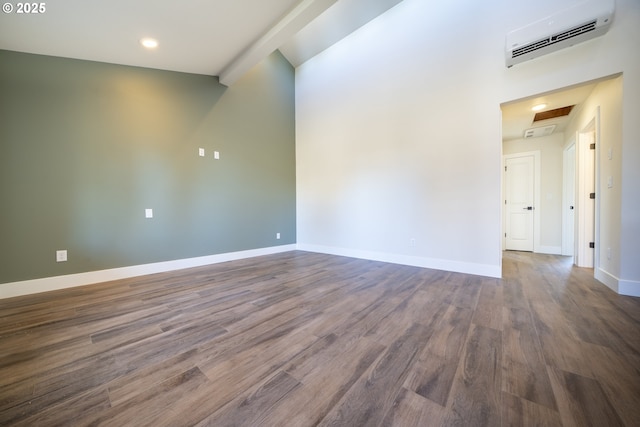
x=201 y=152
x=61 y=256
x=148 y=213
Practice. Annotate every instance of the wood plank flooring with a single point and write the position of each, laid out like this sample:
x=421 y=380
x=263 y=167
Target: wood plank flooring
x=303 y=339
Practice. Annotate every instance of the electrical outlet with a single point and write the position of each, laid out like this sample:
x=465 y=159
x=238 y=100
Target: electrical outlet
x=216 y=155
x=148 y=213
x=201 y=152
x=61 y=256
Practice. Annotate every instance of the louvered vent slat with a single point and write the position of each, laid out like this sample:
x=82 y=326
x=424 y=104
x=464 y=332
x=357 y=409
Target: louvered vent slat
x=556 y=38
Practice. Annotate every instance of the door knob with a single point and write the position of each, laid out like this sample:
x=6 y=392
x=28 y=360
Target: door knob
x=528 y=208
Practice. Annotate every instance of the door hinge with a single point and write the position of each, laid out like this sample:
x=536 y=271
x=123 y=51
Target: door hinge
x=505 y=168
x=505 y=234
x=592 y=195
x=592 y=146
x=592 y=245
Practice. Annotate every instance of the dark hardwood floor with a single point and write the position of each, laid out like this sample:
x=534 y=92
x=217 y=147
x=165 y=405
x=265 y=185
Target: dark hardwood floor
x=303 y=339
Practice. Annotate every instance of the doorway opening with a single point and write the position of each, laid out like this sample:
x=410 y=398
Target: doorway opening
x=566 y=214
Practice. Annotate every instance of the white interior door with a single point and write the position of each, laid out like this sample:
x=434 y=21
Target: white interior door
x=569 y=200
x=586 y=198
x=519 y=181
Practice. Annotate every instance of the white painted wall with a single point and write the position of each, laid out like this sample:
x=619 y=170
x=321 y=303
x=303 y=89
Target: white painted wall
x=399 y=135
x=607 y=97
x=550 y=207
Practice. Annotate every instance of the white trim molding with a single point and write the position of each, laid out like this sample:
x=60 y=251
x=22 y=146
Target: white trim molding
x=623 y=287
x=26 y=287
x=550 y=250
x=414 y=261
x=629 y=288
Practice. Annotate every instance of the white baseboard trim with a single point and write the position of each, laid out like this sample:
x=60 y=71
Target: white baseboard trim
x=550 y=250
x=608 y=279
x=623 y=287
x=26 y=287
x=436 y=264
x=629 y=288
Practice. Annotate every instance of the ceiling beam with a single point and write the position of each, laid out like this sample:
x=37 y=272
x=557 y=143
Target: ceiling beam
x=301 y=15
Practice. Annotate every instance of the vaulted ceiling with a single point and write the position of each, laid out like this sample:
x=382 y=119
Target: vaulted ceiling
x=223 y=38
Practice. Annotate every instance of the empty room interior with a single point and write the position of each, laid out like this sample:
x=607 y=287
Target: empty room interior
x=320 y=212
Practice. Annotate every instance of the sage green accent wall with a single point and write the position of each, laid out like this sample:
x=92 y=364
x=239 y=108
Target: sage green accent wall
x=86 y=147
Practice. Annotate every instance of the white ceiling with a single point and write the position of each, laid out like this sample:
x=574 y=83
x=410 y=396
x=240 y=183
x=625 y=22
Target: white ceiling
x=195 y=36
x=213 y=37
x=518 y=116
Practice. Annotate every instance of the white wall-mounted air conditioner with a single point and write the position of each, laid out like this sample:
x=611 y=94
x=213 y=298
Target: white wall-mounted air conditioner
x=580 y=22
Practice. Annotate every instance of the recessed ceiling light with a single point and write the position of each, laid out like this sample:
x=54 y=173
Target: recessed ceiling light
x=539 y=107
x=149 y=43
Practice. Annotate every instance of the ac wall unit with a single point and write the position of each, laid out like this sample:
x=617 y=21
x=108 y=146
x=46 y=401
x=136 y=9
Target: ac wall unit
x=578 y=23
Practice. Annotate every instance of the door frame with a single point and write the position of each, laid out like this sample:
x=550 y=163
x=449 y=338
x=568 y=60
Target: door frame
x=536 y=196
x=593 y=125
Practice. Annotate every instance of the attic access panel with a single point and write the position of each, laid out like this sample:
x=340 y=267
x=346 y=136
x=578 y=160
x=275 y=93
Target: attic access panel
x=552 y=114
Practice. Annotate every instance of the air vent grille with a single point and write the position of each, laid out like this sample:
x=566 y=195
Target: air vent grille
x=556 y=38
x=538 y=132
